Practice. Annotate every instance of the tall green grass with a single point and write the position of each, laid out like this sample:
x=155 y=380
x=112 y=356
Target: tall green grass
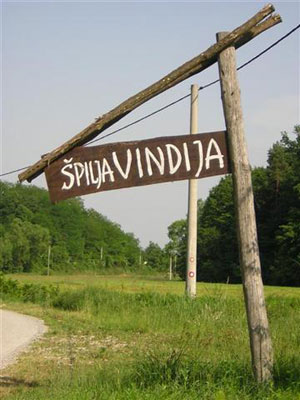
x=170 y=377
x=178 y=348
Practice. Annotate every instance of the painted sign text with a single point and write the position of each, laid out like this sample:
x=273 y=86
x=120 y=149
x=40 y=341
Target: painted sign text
x=118 y=165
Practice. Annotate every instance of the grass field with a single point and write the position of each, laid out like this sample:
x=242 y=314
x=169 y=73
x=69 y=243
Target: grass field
x=138 y=337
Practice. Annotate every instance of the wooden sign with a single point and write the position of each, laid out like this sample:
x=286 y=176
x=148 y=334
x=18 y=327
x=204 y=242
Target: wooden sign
x=111 y=166
x=237 y=38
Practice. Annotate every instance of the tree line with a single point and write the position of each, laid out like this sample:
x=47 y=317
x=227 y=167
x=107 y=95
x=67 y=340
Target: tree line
x=78 y=238
x=83 y=239
x=277 y=205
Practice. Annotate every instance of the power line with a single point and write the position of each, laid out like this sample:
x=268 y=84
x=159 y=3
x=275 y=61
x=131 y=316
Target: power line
x=200 y=88
x=152 y=113
x=12 y=172
x=178 y=100
x=269 y=48
x=141 y=119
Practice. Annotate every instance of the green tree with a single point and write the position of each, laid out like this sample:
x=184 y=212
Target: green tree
x=177 y=245
x=217 y=253
x=155 y=257
x=20 y=245
x=39 y=241
x=284 y=175
x=78 y=237
x=6 y=260
x=277 y=205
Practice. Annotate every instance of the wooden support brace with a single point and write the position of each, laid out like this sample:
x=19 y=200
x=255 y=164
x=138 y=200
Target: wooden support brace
x=238 y=37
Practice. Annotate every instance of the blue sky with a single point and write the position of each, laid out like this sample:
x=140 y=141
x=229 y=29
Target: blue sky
x=66 y=63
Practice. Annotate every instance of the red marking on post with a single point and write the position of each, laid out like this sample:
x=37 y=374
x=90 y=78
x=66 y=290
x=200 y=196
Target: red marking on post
x=191 y=274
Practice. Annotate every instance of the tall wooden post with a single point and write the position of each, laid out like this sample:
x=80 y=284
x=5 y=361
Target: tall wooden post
x=191 y=270
x=260 y=340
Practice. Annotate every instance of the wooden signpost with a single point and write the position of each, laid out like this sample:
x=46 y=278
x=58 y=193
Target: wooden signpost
x=121 y=165
x=259 y=23
x=260 y=339
x=73 y=171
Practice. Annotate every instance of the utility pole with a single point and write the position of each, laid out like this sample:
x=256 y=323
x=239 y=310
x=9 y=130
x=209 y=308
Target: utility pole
x=191 y=270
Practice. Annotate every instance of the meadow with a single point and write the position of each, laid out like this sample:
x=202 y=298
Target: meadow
x=138 y=337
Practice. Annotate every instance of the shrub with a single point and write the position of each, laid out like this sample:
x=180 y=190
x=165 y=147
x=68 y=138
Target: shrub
x=27 y=292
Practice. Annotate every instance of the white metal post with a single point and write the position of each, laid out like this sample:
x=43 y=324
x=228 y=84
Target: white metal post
x=191 y=271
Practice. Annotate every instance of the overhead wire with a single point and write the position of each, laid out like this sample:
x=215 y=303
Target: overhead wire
x=14 y=171
x=178 y=100
x=200 y=88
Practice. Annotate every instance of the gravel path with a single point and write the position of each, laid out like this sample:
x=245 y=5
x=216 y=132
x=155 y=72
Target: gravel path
x=17 y=331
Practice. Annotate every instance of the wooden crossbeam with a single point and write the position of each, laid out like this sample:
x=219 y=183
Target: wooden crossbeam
x=238 y=37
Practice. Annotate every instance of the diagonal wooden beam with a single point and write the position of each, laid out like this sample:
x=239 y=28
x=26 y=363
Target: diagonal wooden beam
x=238 y=37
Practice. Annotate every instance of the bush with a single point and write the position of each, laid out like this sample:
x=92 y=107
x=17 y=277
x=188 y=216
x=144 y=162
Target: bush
x=27 y=292
x=70 y=300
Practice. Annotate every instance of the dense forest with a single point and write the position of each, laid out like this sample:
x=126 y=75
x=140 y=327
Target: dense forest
x=277 y=205
x=82 y=239
x=77 y=238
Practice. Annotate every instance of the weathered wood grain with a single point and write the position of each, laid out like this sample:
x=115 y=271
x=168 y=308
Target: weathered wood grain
x=260 y=340
x=120 y=165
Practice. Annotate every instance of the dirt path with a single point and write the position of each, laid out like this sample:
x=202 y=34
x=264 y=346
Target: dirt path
x=17 y=331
